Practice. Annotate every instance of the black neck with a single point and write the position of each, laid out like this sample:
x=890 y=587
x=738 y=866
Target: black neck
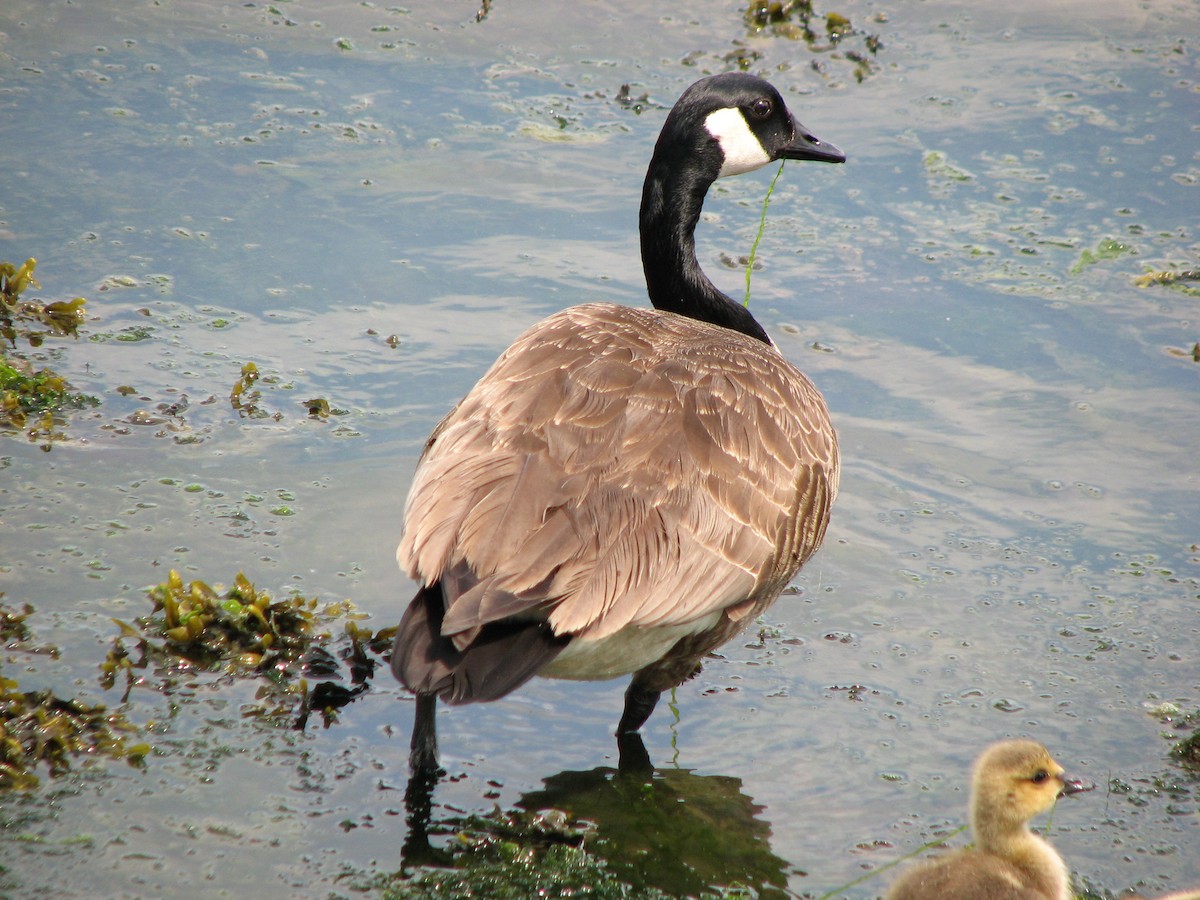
x=672 y=198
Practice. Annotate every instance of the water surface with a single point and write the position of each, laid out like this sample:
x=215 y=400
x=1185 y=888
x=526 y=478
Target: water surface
x=1015 y=547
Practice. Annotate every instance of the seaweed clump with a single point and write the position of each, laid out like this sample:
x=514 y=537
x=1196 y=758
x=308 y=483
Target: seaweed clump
x=32 y=320
x=244 y=397
x=15 y=634
x=38 y=727
x=1187 y=751
x=829 y=32
x=29 y=398
x=242 y=632
x=13 y=629
x=1170 y=279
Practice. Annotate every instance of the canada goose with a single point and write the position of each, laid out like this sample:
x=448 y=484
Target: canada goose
x=625 y=488
x=1013 y=781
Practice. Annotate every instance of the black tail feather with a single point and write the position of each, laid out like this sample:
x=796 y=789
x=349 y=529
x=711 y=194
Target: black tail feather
x=503 y=656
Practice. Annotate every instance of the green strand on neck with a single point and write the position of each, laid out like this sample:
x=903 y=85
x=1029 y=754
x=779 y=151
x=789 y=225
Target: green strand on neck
x=762 y=225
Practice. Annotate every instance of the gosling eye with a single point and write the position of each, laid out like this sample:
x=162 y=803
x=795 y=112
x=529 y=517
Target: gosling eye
x=1041 y=776
x=761 y=108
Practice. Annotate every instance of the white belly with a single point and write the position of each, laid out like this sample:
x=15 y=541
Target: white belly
x=623 y=653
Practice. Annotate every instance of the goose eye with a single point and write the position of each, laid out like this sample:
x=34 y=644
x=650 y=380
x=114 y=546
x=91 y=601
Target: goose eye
x=1041 y=776
x=761 y=108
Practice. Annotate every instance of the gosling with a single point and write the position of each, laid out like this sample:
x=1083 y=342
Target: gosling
x=1013 y=781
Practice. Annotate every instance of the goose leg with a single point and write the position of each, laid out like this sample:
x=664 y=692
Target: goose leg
x=418 y=809
x=639 y=703
x=632 y=758
x=648 y=684
x=423 y=755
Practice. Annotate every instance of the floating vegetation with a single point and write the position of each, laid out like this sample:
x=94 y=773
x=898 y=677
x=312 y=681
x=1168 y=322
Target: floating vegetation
x=12 y=623
x=320 y=408
x=1172 y=716
x=38 y=727
x=242 y=631
x=32 y=320
x=16 y=635
x=237 y=629
x=130 y=334
x=358 y=651
x=1105 y=250
x=193 y=627
x=244 y=397
x=625 y=99
x=1174 y=280
x=29 y=398
x=1192 y=352
x=938 y=167
x=1187 y=751
x=830 y=32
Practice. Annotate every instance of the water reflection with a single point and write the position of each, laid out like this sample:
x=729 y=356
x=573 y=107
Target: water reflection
x=666 y=829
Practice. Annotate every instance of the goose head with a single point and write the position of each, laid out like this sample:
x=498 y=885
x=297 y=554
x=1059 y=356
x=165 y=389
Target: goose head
x=735 y=123
x=1013 y=782
x=722 y=125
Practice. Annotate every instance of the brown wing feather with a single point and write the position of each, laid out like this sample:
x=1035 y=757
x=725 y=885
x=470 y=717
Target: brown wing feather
x=619 y=466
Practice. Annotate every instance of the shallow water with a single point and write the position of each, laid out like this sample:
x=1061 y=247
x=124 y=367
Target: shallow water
x=1014 y=550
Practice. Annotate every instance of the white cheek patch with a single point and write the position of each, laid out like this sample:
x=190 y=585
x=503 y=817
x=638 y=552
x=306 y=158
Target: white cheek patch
x=743 y=151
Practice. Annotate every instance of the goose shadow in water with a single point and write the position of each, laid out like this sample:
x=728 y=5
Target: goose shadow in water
x=664 y=828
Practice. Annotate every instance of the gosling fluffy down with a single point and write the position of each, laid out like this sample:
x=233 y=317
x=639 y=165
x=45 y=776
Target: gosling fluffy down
x=1013 y=781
